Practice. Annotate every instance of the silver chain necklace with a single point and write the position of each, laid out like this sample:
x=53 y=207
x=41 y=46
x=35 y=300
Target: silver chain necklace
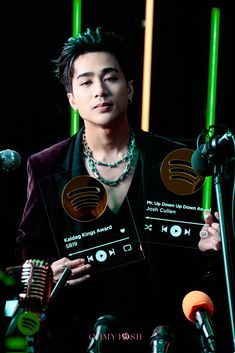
x=128 y=157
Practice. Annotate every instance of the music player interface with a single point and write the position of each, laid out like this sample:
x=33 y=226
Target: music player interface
x=176 y=218
x=84 y=227
x=174 y=223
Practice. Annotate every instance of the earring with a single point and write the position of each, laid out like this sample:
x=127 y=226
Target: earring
x=130 y=99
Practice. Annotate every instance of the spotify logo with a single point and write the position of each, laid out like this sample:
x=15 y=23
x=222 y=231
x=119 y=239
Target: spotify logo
x=84 y=198
x=177 y=173
x=28 y=323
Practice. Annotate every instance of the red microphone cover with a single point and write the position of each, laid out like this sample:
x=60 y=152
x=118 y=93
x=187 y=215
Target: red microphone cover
x=194 y=301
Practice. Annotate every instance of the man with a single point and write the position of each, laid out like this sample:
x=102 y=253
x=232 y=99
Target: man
x=147 y=279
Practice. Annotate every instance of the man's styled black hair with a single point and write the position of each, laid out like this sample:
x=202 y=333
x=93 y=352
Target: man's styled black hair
x=91 y=41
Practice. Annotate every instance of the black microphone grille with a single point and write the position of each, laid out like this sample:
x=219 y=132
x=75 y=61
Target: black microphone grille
x=10 y=160
x=201 y=165
x=162 y=332
x=107 y=320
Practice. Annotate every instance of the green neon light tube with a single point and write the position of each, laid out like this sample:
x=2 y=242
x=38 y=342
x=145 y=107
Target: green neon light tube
x=211 y=93
x=76 y=28
x=16 y=343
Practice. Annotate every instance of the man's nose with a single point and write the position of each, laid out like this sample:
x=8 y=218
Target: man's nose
x=100 y=89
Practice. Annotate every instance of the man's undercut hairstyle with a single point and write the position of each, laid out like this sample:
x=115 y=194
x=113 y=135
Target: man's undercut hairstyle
x=87 y=42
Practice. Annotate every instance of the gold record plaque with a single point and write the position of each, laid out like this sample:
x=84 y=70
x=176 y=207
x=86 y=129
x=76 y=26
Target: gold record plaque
x=177 y=173
x=84 y=198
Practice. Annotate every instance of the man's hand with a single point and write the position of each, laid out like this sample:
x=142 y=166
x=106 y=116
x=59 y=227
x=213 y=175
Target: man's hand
x=78 y=267
x=210 y=233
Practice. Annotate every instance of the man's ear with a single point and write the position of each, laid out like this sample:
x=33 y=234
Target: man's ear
x=130 y=89
x=71 y=100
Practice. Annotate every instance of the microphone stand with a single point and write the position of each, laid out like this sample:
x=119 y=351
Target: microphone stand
x=226 y=247
x=61 y=283
x=204 y=344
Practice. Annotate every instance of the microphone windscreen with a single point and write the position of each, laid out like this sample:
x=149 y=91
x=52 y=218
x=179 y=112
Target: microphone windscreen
x=194 y=301
x=200 y=165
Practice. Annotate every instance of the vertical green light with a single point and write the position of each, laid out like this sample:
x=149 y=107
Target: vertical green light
x=211 y=93
x=16 y=344
x=76 y=28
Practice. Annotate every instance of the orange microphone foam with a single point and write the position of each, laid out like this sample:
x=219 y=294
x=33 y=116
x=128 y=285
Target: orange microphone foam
x=194 y=301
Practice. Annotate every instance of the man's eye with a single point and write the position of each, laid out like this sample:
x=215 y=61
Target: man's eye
x=85 y=83
x=110 y=78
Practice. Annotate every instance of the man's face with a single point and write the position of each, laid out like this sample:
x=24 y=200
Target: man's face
x=100 y=91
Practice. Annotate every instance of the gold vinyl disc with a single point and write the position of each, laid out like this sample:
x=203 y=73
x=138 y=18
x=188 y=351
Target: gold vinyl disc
x=84 y=198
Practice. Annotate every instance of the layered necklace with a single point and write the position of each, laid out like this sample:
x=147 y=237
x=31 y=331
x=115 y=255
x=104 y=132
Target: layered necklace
x=128 y=157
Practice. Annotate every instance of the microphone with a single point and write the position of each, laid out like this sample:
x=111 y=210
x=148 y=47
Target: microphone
x=161 y=339
x=36 y=278
x=198 y=308
x=101 y=327
x=208 y=154
x=9 y=160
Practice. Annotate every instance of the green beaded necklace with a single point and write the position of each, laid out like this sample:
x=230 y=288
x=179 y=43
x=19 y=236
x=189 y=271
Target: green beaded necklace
x=93 y=162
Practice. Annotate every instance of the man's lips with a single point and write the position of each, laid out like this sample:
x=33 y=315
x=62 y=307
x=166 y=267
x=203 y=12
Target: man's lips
x=102 y=105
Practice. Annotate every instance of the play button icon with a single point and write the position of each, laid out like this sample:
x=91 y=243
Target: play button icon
x=176 y=231
x=101 y=256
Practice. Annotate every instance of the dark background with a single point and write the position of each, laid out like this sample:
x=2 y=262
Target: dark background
x=34 y=109
x=34 y=112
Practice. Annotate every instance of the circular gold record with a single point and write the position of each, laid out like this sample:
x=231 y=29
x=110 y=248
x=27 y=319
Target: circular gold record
x=84 y=198
x=177 y=173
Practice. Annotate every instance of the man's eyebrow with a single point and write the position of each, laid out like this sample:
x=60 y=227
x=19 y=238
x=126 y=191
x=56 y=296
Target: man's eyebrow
x=110 y=69
x=103 y=71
